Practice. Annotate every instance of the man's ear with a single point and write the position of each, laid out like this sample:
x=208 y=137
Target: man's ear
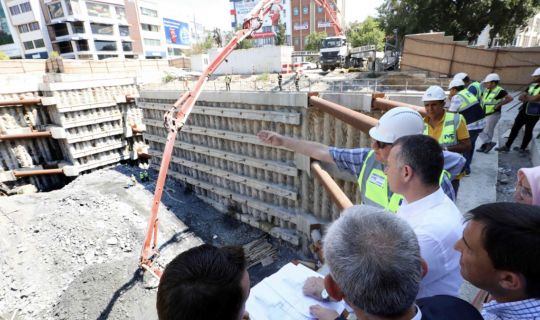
x=511 y=281
x=407 y=172
x=424 y=266
x=332 y=288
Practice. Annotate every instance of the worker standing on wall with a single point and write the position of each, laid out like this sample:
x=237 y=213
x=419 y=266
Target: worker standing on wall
x=228 y=82
x=462 y=101
x=297 y=80
x=279 y=81
x=528 y=115
x=449 y=129
x=493 y=98
x=366 y=164
x=474 y=87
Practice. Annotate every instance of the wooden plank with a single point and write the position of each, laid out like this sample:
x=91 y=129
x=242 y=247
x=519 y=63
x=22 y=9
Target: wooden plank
x=250 y=202
x=253 y=183
x=252 y=162
x=272 y=116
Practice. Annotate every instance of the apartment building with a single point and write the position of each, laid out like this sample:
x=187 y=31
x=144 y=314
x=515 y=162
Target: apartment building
x=151 y=29
x=24 y=30
x=530 y=35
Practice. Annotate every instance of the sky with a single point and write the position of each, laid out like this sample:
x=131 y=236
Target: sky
x=215 y=13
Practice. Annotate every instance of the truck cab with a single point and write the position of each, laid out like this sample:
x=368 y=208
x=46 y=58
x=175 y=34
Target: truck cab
x=334 y=51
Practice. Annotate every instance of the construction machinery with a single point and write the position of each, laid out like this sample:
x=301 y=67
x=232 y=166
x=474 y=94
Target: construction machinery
x=336 y=51
x=174 y=121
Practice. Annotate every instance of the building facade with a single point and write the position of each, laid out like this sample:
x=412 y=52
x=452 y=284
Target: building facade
x=530 y=35
x=151 y=28
x=279 y=14
x=307 y=16
x=27 y=28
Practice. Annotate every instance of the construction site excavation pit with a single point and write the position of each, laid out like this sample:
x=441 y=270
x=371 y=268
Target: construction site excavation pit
x=73 y=253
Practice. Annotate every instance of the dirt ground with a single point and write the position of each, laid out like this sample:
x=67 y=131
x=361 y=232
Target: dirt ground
x=73 y=253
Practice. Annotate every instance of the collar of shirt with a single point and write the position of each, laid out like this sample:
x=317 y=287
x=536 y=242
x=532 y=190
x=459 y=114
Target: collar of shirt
x=440 y=123
x=524 y=309
x=418 y=315
x=419 y=206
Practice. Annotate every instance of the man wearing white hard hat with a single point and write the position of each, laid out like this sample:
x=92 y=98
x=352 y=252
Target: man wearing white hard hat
x=493 y=98
x=449 y=129
x=528 y=115
x=367 y=164
x=462 y=101
x=474 y=87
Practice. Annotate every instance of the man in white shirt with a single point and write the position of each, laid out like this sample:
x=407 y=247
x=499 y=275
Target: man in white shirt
x=414 y=167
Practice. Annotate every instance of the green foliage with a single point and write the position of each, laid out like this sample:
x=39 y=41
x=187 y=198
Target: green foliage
x=203 y=46
x=314 y=41
x=263 y=77
x=168 y=78
x=280 y=35
x=245 y=44
x=465 y=20
x=366 y=33
x=3 y=56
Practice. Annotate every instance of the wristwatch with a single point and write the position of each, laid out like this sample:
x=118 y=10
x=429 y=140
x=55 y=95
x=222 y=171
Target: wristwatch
x=325 y=296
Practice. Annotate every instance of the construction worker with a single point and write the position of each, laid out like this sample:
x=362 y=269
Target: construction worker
x=228 y=83
x=297 y=80
x=493 y=98
x=279 y=81
x=462 y=101
x=367 y=165
x=449 y=129
x=143 y=176
x=474 y=87
x=528 y=115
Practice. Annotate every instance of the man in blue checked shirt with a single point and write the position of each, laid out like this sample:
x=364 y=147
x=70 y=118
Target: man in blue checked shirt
x=500 y=254
x=367 y=164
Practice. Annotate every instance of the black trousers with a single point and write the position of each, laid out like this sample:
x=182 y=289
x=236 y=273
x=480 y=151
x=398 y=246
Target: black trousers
x=522 y=119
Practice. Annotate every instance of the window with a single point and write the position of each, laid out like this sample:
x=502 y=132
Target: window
x=103 y=29
x=55 y=10
x=149 y=27
x=82 y=45
x=295 y=11
x=69 y=7
x=33 y=26
x=28 y=45
x=124 y=31
x=60 y=29
x=39 y=43
x=23 y=28
x=305 y=10
x=14 y=10
x=152 y=42
x=25 y=7
x=295 y=41
x=319 y=9
x=127 y=46
x=120 y=13
x=65 y=47
x=98 y=10
x=267 y=29
x=148 y=12
x=105 y=45
x=78 y=27
x=106 y=56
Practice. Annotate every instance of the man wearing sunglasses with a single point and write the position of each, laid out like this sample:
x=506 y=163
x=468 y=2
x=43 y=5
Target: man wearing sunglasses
x=367 y=164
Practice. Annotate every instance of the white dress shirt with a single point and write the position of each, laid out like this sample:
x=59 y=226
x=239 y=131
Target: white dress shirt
x=438 y=224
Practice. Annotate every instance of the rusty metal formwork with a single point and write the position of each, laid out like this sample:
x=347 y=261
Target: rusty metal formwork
x=218 y=155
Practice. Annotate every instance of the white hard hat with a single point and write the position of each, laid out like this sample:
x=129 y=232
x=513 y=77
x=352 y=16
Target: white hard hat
x=492 y=77
x=434 y=93
x=397 y=123
x=461 y=76
x=536 y=72
x=456 y=83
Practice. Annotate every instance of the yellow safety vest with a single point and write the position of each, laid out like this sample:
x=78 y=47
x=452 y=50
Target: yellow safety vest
x=449 y=132
x=478 y=88
x=489 y=100
x=533 y=108
x=373 y=185
x=470 y=108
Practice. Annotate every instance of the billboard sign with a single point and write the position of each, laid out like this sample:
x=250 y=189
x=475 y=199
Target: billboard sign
x=5 y=34
x=176 y=32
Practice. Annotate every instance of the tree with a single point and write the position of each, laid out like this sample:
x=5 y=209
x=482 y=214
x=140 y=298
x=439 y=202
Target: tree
x=465 y=20
x=280 y=34
x=313 y=41
x=202 y=47
x=3 y=56
x=366 y=33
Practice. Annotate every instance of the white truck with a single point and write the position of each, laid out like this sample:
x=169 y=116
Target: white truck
x=336 y=52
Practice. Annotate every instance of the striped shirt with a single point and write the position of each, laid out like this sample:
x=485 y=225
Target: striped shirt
x=352 y=160
x=525 y=310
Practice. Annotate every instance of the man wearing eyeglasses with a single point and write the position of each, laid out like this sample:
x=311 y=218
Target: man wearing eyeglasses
x=367 y=164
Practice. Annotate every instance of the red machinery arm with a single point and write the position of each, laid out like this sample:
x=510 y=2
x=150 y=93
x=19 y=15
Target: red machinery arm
x=177 y=117
x=338 y=28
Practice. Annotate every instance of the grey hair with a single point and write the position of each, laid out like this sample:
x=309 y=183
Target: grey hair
x=374 y=258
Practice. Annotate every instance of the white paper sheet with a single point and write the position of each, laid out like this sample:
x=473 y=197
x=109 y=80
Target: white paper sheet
x=280 y=297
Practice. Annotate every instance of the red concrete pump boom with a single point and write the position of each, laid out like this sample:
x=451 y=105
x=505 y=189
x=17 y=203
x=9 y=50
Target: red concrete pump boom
x=325 y=4
x=175 y=119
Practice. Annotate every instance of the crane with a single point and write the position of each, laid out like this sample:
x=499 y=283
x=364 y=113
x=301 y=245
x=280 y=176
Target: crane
x=336 y=24
x=174 y=121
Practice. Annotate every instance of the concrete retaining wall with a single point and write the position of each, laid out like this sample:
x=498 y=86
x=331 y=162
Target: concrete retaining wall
x=255 y=60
